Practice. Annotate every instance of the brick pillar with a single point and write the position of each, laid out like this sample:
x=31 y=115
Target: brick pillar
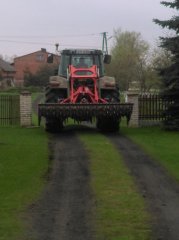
x=132 y=97
x=25 y=109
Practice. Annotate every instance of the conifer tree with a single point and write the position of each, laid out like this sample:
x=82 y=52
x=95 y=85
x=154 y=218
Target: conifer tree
x=170 y=74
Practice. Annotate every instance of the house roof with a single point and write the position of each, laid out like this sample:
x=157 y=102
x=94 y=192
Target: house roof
x=6 y=66
x=43 y=50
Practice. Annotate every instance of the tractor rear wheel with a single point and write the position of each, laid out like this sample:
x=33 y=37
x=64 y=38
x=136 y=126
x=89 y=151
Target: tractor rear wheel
x=50 y=95
x=54 y=95
x=109 y=124
x=111 y=95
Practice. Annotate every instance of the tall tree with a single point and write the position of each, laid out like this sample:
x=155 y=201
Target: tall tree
x=170 y=74
x=159 y=58
x=129 y=59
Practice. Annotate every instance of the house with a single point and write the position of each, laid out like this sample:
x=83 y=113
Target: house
x=7 y=74
x=31 y=63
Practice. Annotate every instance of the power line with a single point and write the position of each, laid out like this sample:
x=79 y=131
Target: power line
x=24 y=39
x=44 y=43
x=52 y=36
x=24 y=42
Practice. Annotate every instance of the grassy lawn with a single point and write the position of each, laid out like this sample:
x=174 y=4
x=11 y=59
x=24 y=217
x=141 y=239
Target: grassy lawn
x=23 y=163
x=161 y=145
x=120 y=210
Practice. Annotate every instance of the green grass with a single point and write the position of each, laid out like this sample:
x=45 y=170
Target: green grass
x=23 y=163
x=18 y=90
x=161 y=145
x=120 y=210
x=6 y=93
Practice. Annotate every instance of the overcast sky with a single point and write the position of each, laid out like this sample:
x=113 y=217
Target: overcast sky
x=28 y=25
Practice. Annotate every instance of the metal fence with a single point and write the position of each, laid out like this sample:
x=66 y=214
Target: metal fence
x=152 y=107
x=9 y=110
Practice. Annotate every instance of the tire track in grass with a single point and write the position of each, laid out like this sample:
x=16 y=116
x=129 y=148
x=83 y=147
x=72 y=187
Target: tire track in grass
x=120 y=209
x=158 y=189
x=64 y=210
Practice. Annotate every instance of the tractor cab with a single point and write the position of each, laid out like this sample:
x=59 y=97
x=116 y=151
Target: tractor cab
x=81 y=58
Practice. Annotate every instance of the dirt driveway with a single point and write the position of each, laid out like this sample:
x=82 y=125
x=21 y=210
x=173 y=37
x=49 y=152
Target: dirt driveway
x=64 y=210
x=160 y=192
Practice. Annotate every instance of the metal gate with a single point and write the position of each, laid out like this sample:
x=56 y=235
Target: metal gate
x=9 y=110
x=152 y=108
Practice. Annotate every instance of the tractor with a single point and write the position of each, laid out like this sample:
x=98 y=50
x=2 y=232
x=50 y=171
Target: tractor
x=82 y=92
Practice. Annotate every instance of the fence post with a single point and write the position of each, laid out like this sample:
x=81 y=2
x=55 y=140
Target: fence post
x=25 y=109
x=133 y=97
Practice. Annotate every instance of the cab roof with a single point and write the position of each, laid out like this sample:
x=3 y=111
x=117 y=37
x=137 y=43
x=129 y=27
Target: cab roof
x=82 y=51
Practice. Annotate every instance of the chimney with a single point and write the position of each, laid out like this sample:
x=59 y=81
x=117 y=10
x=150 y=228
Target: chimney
x=43 y=49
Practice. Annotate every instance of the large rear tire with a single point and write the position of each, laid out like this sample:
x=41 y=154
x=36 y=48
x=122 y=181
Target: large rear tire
x=112 y=95
x=109 y=124
x=54 y=95
x=50 y=95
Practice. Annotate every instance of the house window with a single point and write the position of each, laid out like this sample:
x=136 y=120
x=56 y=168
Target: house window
x=40 y=57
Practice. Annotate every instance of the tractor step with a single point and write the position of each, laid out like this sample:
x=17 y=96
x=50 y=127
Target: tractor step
x=85 y=111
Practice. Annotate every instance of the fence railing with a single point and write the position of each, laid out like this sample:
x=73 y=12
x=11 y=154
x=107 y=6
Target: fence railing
x=9 y=110
x=152 y=107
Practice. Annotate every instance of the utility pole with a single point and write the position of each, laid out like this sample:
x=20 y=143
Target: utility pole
x=57 y=48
